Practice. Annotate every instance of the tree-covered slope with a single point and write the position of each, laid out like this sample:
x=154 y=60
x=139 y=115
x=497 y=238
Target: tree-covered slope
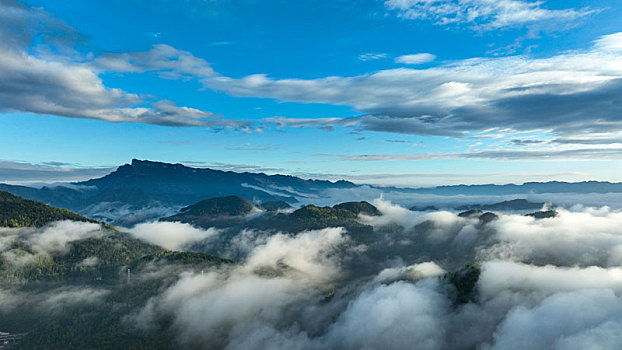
x=65 y=285
x=359 y=208
x=19 y=212
x=226 y=212
x=219 y=207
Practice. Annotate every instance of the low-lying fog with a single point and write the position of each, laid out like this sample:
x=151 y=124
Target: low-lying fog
x=544 y=284
x=551 y=283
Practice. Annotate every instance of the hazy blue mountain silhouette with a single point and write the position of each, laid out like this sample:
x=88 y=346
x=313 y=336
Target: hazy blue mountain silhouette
x=147 y=184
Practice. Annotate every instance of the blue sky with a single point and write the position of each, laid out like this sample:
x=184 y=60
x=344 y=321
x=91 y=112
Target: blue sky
x=398 y=92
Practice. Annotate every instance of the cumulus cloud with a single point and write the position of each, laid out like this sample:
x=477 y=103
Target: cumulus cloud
x=171 y=235
x=500 y=277
x=392 y=213
x=48 y=301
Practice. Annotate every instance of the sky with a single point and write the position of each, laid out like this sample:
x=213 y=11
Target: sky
x=397 y=92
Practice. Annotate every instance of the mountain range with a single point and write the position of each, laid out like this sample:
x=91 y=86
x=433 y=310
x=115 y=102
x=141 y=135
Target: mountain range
x=146 y=190
x=165 y=188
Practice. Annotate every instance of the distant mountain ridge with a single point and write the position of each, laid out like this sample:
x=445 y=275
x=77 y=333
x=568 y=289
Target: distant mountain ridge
x=527 y=187
x=514 y=204
x=146 y=190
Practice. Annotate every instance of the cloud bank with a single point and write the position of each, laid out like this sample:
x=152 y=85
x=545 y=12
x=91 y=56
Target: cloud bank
x=540 y=283
x=469 y=95
x=571 y=93
x=68 y=83
x=544 y=284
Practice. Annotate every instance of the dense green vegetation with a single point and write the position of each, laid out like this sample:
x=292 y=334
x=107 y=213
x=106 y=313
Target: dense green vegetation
x=183 y=258
x=514 y=204
x=95 y=265
x=224 y=212
x=98 y=324
x=18 y=212
x=311 y=217
x=359 y=208
x=103 y=324
x=275 y=205
x=216 y=207
x=484 y=218
x=544 y=214
x=465 y=282
x=91 y=258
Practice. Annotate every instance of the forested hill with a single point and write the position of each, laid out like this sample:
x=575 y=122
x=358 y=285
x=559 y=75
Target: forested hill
x=19 y=212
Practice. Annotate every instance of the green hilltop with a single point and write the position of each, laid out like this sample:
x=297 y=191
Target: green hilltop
x=19 y=212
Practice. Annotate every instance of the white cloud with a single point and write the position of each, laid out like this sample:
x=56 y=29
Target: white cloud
x=171 y=235
x=41 y=243
x=483 y=14
x=33 y=80
x=309 y=291
x=233 y=304
x=56 y=238
x=499 y=277
x=398 y=316
x=560 y=319
x=370 y=56
x=70 y=296
x=417 y=58
x=28 y=173
x=167 y=61
x=570 y=93
x=410 y=273
x=611 y=42
x=574 y=92
x=584 y=237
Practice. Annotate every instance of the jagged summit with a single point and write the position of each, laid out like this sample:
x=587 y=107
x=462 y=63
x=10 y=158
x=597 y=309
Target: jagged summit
x=154 y=169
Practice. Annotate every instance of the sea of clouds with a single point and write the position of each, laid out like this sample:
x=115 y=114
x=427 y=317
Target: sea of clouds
x=551 y=283
x=545 y=284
